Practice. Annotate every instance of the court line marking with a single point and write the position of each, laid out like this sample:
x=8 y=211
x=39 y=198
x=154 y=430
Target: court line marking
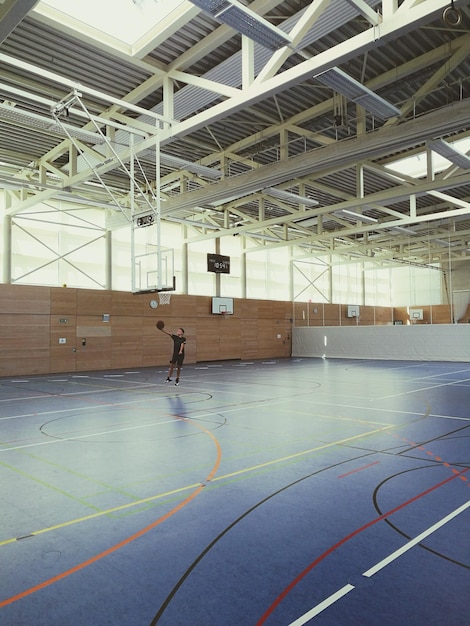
x=187 y=487
x=406 y=393
x=80 y=407
x=313 y=402
x=344 y=540
x=359 y=469
x=131 y=538
x=248 y=406
x=88 y=407
x=319 y=608
x=76 y=437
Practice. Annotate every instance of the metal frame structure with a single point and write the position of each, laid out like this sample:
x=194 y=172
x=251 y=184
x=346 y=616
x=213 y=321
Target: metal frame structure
x=231 y=138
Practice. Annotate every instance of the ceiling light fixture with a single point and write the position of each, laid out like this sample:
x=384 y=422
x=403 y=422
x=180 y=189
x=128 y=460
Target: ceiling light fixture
x=305 y=223
x=194 y=168
x=447 y=151
x=401 y=229
x=290 y=197
x=356 y=92
x=358 y=216
x=33 y=120
x=245 y=21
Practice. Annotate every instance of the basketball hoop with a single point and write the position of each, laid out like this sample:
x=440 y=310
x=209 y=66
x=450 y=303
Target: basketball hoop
x=164 y=297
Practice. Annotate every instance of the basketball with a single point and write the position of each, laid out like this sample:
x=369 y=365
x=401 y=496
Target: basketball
x=160 y=325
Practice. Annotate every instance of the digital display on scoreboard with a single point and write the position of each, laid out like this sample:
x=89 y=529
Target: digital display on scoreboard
x=218 y=263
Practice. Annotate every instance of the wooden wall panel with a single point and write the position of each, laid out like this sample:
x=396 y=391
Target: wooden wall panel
x=440 y=314
x=63 y=301
x=248 y=308
x=24 y=340
x=181 y=307
x=204 y=306
x=63 y=321
x=249 y=339
x=13 y=363
x=68 y=334
x=383 y=315
x=91 y=326
x=208 y=338
x=96 y=355
x=94 y=302
x=24 y=299
x=331 y=314
x=126 y=334
x=62 y=359
x=33 y=319
x=229 y=337
x=400 y=314
x=123 y=303
x=366 y=315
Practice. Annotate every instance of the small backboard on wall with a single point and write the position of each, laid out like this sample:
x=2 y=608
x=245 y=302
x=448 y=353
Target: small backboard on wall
x=222 y=306
x=353 y=310
x=416 y=314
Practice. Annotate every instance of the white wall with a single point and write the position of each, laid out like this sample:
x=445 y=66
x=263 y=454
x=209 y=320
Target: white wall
x=420 y=342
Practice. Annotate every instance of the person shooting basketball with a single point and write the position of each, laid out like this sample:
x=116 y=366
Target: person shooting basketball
x=179 y=341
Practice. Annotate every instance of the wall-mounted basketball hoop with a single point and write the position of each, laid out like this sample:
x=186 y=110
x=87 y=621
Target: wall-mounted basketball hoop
x=164 y=297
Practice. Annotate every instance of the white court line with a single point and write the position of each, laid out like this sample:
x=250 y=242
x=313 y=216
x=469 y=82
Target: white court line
x=189 y=392
x=303 y=619
x=406 y=393
x=439 y=374
x=312 y=402
x=449 y=417
x=104 y=432
x=203 y=415
x=81 y=392
x=91 y=407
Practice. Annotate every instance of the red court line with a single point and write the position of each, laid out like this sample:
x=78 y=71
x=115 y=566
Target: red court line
x=334 y=547
x=359 y=469
x=128 y=540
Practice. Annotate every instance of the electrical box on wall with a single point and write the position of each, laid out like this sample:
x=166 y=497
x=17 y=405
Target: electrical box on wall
x=353 y=310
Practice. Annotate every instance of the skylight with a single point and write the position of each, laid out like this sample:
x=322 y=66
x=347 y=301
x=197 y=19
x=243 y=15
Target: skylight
x=416 y=166
x=117 y=23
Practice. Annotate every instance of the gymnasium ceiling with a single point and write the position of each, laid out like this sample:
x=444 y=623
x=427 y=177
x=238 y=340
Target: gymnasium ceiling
x=334 y=141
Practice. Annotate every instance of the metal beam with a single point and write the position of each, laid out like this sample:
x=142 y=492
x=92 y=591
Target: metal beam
x=12 y=12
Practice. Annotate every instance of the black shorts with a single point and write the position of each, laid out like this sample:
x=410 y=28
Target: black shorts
x=177 y=359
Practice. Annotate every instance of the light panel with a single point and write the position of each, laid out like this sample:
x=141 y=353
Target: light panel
x=195 y=168
x=33 y=120
x=357 y=216
x=290 y=197
x=245 y=21
x=356 y=92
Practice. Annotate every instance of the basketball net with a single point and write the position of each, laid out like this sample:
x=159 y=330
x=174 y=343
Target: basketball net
x=164 y=297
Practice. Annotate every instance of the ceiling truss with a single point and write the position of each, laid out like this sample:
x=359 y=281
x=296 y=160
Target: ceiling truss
x=230 y=130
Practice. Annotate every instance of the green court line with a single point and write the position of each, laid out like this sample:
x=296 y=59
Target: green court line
x=245 y=470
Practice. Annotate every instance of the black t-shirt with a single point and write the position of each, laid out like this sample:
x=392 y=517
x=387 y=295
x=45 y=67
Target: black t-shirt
x=177 y=341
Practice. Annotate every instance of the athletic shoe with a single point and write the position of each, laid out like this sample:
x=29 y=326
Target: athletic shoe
x=168 y=380
x=177 y=382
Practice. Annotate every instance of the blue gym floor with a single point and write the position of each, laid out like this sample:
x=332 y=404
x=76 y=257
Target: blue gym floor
x=276 y=492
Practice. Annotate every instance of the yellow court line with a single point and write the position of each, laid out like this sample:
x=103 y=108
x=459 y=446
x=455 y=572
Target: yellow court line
x=187 y=487
x=99 y=514
x=297 y=454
